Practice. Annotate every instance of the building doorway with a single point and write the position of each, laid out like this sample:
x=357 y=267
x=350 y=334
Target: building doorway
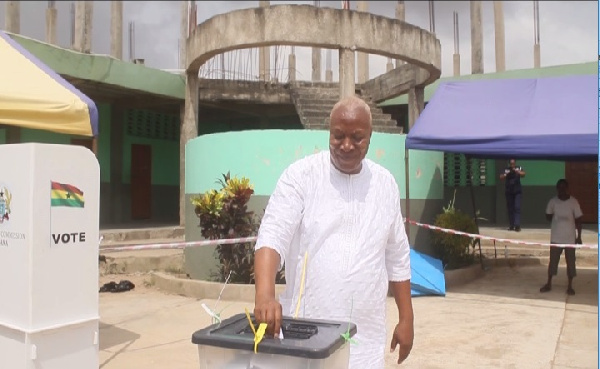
x=141 y=182
x=85 y=142
x=583 y=185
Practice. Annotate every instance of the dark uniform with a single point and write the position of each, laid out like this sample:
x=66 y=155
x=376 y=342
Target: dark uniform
x=513 y=196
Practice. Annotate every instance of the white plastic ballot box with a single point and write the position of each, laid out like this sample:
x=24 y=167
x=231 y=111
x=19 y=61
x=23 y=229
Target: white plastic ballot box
x=49 y=215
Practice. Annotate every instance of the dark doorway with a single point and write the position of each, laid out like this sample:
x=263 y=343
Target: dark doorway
x=583 y=185
x=85 y=142
x=141 y=182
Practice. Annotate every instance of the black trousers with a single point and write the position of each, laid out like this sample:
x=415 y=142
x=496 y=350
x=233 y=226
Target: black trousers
x=555 y=252
x=513 y=205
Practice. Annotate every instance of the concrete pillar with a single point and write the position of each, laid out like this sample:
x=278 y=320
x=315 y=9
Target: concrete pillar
x=82 y=40
x=328 y=75
x=292 y=68
x=264 y=55
x=316 y=64
x=499 y=35
x=51 y=15
x=87 y=35
x=188 y=131
x=12 y=16
x=362 y=58
x=116 y=29
x=416 y=104
x=536 y=55
x=400 y=15
x=347 y=78
x=328 y=71
x=79 y=24
x=456 y=64
x=117 y=119
x=183 y=34
x=476 y=38
x=389 y=66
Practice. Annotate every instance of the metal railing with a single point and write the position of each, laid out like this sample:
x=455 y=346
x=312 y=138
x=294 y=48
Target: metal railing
x=243 y=65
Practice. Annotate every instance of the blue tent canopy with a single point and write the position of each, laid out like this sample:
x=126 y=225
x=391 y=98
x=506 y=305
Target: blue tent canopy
x=545 y=118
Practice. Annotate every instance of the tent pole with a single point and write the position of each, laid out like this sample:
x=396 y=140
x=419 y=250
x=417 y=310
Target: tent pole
x=95 y=145
x=478 y=241
x=406 y=183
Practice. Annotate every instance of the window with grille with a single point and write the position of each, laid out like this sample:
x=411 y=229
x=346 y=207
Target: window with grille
x=458 y=171
x=148 y=124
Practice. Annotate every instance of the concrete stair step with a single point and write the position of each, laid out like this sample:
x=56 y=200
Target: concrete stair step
x=114 y=236
x=326 y=103
x=375 y=122
x=314 y=104
x=311 y=112
x=321 y=104
x=326 y=97
x=387 y=129
x=142 y=261
x=584 y=257
x=317 y=91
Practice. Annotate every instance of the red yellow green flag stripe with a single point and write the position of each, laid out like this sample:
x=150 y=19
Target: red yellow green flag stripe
x=66 y=195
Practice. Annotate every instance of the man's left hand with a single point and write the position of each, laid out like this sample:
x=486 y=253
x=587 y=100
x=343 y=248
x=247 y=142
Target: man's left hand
x=403 y=335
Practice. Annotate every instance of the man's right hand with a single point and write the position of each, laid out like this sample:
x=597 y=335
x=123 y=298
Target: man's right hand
x=268 y=310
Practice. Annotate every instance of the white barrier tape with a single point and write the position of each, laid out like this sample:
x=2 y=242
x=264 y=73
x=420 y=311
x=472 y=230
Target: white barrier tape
x=501 y=240
x=229 y=241
x=178 y=245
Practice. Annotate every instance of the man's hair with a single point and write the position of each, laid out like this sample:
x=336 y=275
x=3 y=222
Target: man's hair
x=563 y=181
x=352 y=103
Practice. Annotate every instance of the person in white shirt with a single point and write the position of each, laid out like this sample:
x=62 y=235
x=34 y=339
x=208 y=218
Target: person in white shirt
x=341 y=213
x=565 y=214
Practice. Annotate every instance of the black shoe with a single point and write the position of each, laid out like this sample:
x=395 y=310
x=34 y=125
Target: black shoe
x=108 y=287
x=517 y=229
x=511 y=228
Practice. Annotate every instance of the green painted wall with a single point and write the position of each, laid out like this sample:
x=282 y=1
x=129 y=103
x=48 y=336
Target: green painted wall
x=541 y=172
x=165 y=154
x=33 y=135
x=104 y=141
x=105 y=69
x=263 y=155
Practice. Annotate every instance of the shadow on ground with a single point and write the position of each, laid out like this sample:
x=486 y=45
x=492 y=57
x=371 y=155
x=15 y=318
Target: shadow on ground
x=111 y=335
x=524 y=282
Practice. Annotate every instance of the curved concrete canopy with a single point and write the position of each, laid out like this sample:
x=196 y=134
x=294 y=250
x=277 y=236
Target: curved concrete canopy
x=305 y=25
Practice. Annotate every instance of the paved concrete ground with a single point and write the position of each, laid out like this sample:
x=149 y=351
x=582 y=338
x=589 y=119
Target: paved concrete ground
x=498 y=321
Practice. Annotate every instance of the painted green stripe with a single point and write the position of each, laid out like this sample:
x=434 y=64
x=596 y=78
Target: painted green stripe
x=73 y=203
x=262 y=155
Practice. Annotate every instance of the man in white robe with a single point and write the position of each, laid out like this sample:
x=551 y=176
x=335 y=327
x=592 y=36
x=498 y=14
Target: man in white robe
x=343 y=212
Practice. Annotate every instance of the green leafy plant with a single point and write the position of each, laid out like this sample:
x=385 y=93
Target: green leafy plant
x=224 y=214
x=455 y=251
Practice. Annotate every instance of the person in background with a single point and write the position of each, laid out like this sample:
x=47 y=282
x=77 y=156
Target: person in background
x=513 y=192
x=334 y=220
x=564 y=212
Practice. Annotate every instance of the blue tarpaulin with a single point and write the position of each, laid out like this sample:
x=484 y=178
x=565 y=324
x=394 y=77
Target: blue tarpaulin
x=542 y=118
x=427 y=276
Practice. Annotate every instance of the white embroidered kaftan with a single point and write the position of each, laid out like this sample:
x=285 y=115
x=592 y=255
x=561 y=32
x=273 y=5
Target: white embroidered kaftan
x=352 y=228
